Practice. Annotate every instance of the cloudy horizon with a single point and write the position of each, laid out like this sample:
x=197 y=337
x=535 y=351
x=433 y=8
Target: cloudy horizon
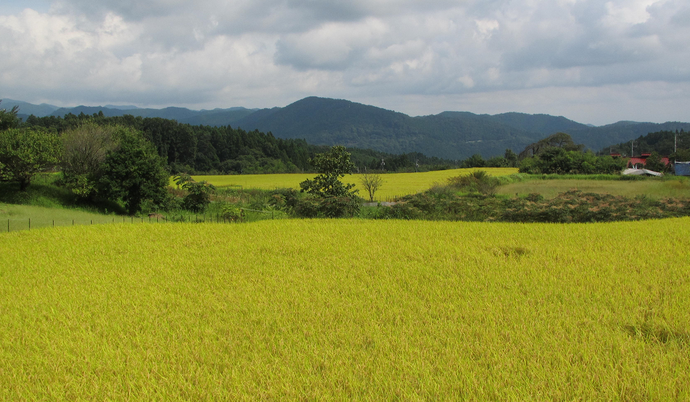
x=593 y=62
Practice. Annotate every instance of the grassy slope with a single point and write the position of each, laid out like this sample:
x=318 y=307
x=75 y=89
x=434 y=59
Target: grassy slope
x=654 y=188
x=312 y=309
x=396 y=184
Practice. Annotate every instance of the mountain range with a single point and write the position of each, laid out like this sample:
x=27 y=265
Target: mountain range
x=324 y=121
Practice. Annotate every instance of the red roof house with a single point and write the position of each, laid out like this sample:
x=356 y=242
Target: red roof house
x=638 y=162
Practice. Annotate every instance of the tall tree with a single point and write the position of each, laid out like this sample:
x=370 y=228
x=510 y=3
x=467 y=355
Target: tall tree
x=85 y=150
x=26 y=152
x=134 y=172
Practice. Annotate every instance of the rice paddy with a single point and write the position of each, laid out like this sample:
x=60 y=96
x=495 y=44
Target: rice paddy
x=346 y=309
x=395 y=184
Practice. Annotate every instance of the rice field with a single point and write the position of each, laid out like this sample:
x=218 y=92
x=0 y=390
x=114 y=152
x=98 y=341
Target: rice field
x=346 y=310
x=395 y=184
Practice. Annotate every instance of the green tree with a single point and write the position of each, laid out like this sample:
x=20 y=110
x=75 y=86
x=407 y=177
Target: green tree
x=331 y=166
x=9 y=119
x=511 y=158
x=133 y=172
x=330 y=196
x=84 y=151
x=475 y=160
x=198 y=195
x=558 y=140
x=654 y=163
x=26 y=152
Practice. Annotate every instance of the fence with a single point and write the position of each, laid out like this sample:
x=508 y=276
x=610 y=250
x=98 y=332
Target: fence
x=12 y=225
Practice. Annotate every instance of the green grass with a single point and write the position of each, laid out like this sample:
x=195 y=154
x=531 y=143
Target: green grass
x=25 y=217
x=346 y=310
x=654 y=188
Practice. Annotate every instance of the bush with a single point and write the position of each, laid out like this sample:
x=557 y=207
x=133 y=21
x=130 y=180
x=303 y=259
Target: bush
x=326 y=207
x=233 y=213
x=476 y=182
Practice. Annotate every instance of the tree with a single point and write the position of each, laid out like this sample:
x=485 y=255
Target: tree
x=475 y=160
x=9 y=119
x=332 y=166
x=133 y=172
x=26 y=152
x=84 y=151
x=331 y=198
x=655 y=163
x=371 y=183
x=511 y=157
x=198 y=193
x=558 y=140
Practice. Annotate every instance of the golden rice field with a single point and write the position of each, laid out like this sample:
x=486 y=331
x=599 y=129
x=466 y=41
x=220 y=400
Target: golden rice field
x=347 y=310
x=395 y=184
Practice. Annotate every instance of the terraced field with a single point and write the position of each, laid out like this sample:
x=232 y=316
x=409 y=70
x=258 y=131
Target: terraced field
x=346 y=309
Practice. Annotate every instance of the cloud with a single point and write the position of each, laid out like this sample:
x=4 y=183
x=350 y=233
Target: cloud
x=260 y=53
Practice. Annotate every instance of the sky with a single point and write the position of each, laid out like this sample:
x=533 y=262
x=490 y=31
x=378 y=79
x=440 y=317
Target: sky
x=593 y=61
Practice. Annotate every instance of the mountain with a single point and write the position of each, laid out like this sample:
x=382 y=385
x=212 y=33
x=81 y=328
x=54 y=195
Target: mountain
x=597 y=138
x=449 y=135
x=215 y=117
x=538 y=123
x=26 y=109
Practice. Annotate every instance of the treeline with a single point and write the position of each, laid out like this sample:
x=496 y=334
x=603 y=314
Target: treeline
x=558 y=154
x=226 y=150
x=674 y=144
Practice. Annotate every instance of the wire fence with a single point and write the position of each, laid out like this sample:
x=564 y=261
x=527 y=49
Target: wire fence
x=19 y=224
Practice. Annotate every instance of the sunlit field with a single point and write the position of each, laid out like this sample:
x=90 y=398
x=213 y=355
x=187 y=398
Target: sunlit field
x=654 y=188
x=347 y=310
x=395 y=184
x=23 y=217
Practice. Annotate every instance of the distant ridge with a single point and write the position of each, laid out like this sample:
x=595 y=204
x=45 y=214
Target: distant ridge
x=325 y=121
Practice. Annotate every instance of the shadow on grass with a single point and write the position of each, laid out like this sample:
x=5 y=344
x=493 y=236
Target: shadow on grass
x=48 y=195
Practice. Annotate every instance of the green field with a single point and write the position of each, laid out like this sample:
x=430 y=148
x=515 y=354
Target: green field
x=395 y=184
x=347 y=310
x=654 y=188
x=23 y=217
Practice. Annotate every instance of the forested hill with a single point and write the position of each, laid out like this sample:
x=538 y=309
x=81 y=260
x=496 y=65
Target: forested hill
x=210 y=149
x=449 y=135
x=598 y=138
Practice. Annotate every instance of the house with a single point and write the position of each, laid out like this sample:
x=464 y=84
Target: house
x=638 y=162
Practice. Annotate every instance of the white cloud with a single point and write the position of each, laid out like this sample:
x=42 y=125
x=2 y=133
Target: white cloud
x=260 y=53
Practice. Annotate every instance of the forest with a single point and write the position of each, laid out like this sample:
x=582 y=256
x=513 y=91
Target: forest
x=200 y=149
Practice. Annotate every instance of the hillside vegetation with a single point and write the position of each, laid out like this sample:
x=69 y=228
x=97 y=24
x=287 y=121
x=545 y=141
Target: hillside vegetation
x=292 y=310
x=448 y=135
